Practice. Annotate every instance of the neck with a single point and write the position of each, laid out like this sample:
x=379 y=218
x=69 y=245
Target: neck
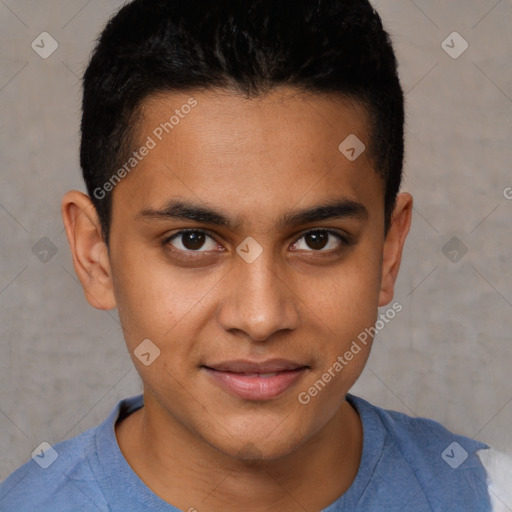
x=191 y=474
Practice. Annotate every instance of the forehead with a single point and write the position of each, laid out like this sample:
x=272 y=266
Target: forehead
x=228 y=120
x=219 y=147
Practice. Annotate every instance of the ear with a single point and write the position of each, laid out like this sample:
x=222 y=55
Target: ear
x=89 y=251
x=393 y=246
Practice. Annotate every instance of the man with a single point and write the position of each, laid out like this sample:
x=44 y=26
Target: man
x=243 y=162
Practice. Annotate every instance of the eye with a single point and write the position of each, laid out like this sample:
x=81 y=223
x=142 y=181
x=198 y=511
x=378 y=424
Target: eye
x=199 y=241
x=192 y=240
x=321 y=240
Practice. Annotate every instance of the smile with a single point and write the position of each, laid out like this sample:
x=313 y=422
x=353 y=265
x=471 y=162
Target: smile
x=256 y=381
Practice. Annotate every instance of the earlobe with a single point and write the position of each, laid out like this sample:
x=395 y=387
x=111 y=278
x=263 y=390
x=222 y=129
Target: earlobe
x=393 y=246
x=90 y=254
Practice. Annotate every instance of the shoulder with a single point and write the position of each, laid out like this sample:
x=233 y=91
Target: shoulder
x=56 y=477
x=422 y=438
x=451 y=470
x=67 y=476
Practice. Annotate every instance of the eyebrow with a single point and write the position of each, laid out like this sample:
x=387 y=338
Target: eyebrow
x=185 y=210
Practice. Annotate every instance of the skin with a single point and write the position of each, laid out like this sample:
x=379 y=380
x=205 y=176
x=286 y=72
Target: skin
x=195 y=445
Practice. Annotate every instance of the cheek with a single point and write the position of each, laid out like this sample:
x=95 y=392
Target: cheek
x=343 y=341
x=347 y=311
x=154 y=300
x=347 y=299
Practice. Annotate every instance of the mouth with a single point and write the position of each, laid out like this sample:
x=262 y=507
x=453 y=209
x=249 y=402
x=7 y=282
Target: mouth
x=256 y=381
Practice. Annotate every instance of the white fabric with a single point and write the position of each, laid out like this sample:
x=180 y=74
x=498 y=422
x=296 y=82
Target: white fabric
x=499 y=472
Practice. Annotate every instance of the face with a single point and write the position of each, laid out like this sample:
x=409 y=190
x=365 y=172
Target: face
x=251 y=251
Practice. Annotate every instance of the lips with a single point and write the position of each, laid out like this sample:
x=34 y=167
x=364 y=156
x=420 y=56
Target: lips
x=251 y=380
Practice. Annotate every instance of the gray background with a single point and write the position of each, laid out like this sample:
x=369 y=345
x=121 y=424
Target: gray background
x=63 y=365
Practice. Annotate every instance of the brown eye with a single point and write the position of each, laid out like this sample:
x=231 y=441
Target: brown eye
x=192 y=241
x=321 y=240
x=316 y=239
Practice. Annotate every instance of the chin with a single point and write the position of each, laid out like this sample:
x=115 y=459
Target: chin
x=251 y=448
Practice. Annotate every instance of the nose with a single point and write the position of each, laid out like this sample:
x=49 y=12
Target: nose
x=259 y=301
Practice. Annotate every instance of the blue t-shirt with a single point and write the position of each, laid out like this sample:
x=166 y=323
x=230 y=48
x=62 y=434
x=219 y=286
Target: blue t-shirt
x=407 y=465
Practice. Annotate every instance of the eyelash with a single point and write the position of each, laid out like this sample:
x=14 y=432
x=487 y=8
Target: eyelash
x=345 y=241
